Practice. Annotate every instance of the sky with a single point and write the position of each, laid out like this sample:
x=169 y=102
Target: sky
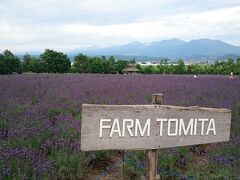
x=28 y=25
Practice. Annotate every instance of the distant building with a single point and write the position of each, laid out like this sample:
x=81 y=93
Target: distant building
x=153 y=63
x=131 y=70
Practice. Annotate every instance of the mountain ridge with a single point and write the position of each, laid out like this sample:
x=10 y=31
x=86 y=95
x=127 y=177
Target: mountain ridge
x=172 y=48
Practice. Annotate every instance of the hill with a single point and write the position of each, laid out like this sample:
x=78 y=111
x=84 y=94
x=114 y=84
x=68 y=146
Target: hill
x=172 y=49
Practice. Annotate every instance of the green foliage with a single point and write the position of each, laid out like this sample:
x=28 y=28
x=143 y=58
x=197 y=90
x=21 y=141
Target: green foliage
x=109 y=65
x=163 y=67
x=219 y=171
x=26 y=63
x=132 y=61
x=56 y=62
x=212 y=171
x=166 y=160
x=196 y=69
x=96 y=65
x=149 y=70
x=236 y=112
x=132 y=163
x=121 y=65
x=73 y=70
x=223 y=67
x=103 y=155
x=183 y=150
x=81 y=63
x=20 y=167
x=4 y=124
x=31 y=142
x=84 y=64
x=33 y=64
x=138 y=66
x=231 y=150
x=53 y=113
x=9 y=63
x=68 y=165
x=180 y=68
x=37 y=65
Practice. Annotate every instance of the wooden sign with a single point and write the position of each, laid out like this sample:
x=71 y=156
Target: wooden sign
x=139 y=127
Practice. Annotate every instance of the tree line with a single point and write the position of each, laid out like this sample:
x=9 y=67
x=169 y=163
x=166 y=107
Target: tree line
x=57 y=62
x=218 y=67
x=51 y=61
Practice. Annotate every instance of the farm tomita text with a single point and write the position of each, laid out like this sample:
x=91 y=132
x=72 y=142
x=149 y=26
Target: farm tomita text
x=174 y=127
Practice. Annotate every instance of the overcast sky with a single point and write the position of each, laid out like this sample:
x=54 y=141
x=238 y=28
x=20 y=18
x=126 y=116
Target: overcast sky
x=69 y=24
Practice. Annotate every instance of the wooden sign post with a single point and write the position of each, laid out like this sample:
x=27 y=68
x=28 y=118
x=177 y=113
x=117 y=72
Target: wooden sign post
x=151 y=127
x=151 y=155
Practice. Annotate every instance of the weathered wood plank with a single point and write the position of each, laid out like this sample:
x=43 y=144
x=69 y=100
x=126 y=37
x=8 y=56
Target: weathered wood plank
x=92 y=114
x=151 y=164
x=151 y=154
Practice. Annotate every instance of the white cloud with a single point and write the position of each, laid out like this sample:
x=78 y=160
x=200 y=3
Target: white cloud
x=65 y=25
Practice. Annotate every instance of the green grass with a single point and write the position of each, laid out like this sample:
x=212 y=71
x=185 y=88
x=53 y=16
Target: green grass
x=183 y=150
x=78 y=116
x=19 y=109
x=166 y=160
x=20 y=167
x=132 y=163
x=211 y=171
x=53 y=113
x=68 y=132
x=29 y=142
x=230 y=150
x=68 y=165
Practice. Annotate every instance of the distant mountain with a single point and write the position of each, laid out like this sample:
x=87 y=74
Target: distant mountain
x=173 y=49
x=227 y=56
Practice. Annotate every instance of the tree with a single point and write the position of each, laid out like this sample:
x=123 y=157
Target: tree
x=166 y=67
x=161 y=67
x=57 y=62
x=121 y=65
x=238 y=60
x=37 y=65
x=196 y=69
x=238 y=66
x=230 y=66
x=139 y=67
x=96 y=65
x=26 y=63
x=149 y=70
x=81 y=63
x=132 y=61
x=9 y=63
x=180 y=68
x=109 y=65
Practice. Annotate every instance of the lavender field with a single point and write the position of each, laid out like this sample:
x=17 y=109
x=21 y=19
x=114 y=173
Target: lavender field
x=40 y=120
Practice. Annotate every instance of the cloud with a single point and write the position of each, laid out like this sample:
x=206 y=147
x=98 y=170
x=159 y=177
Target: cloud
x=66 y=25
